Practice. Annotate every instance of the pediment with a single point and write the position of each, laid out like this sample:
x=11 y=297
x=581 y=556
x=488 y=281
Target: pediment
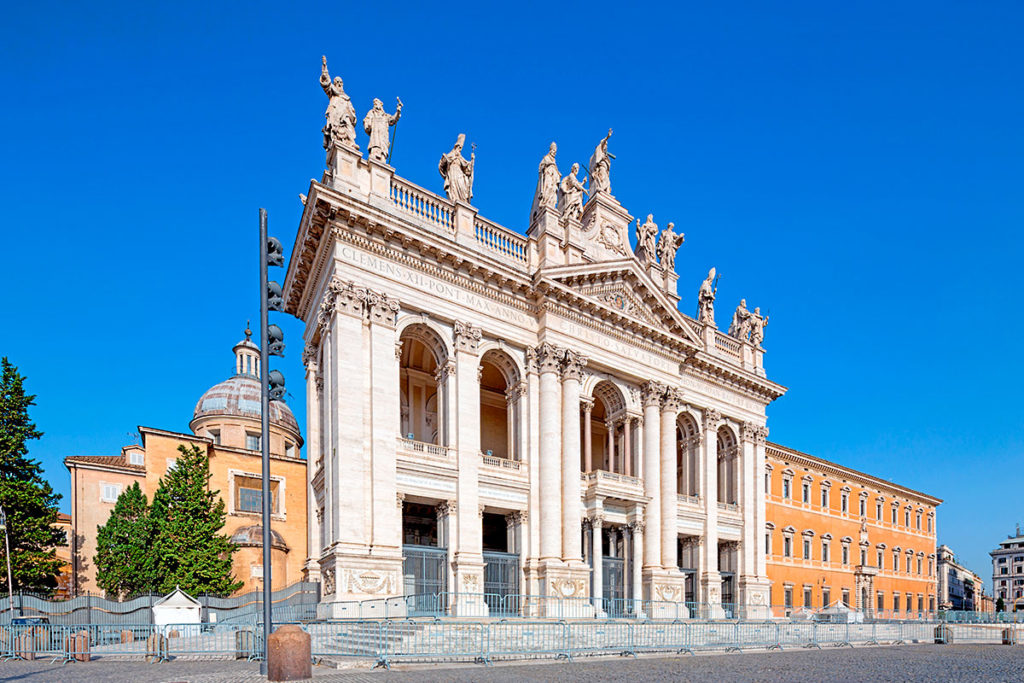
x=623 y=287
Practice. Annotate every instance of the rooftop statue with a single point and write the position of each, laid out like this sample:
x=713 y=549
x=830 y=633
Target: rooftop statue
x=377 y=124
x=706 y=299
x=757 y=325
x=546 y=196
x=341 y=116
x=740 y=326
x=570 y=194
x=457 y=172
x=646 y=234
x=668 y=243
x=600 y=167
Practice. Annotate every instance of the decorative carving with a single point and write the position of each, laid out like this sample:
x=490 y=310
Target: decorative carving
x=740 y=325
x=668 y=243
x=672 y=400
x=568 y=588
x=381 y=308
x=398 y=349
x=369 y=582
x=570 y=195
x=587 y=404
x=596 y=519
x=377 y=124
x=327 y=576
x=457 y=172
x=712 y=419
x=531 y=359
x=667 y=592
x=516 y=518
x=757 y=598
x=467 y=336
x=651 y=393
x=610 y=237
x=309 y=355
x=573 y=365
x=757 y=325
x=706 y=299
x=444 y=371
x=748 y=432
x=341 y=115
x=646 y=246
x=600 y=167
x=638 y=525
x=761 y=436
x=319 y=380
x=445 y=508
x=470 y=583
x=549 y=357
x=400 y=499
x=546 y=196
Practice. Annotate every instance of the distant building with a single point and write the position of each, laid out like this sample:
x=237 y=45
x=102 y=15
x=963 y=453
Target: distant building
x=1008 y=571
x=959 y=588
x=226 y=424
x=836 y=534
x=64 y=581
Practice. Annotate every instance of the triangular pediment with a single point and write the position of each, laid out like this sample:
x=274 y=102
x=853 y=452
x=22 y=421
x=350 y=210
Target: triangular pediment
x=624 y=288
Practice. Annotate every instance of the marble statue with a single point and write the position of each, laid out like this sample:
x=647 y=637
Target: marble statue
x=600 y=167
x=757 y=325
x=341 y=115
x=668 y=243
x=706 y=299
x=646 y=250
x=457 y=172
x=548 y=176
x=377 y=124
x=570 y=194
x=740 y=326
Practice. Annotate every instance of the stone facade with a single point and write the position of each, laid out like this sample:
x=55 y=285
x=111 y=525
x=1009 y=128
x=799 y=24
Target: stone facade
x=835 y=534
x=958 y=587
x=1008 y=572
x=485 y=396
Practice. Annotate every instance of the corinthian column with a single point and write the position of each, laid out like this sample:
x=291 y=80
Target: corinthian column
x=670 y=406
x=548 y=361
x=711 y=580
x=572 y=373
x=651 y=393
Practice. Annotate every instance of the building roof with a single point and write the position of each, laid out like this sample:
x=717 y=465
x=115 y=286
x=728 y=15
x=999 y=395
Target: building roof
x=843 y=470
x=107 y=461
x=253 y=536
x=239 y=396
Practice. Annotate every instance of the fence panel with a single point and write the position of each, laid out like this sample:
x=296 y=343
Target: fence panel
x=603 y=637
x=658 y=636
x=757 y=634
x=796 y=634
x=516 y=639
x=712 y=635
x=350 y=638
x=435 y=640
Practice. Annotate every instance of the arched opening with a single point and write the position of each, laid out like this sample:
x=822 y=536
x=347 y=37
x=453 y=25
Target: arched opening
x=607 y=435
x=420 y=385
x=728 y=460
x=687 y=455
x=499 y=406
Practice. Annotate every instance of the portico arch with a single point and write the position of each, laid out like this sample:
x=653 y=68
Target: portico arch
x=605 y=430
x=687 y=455
x=500 y=408
x=422 y=362
x=728 y=465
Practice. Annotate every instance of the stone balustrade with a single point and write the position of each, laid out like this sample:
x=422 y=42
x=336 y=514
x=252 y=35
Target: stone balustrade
x=419 y=447
x=499 y=240
x=502 y=463
x=422 y=204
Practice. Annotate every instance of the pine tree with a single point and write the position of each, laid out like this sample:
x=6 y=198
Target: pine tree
x=124 y=560
x=188 y=550
x=28 y=500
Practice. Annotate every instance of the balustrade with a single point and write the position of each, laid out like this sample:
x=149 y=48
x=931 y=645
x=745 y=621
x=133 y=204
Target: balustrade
x=502 y=241
x=424 y=448
x=422 y=204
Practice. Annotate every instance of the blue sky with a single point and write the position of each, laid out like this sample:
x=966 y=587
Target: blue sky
x=856 y=169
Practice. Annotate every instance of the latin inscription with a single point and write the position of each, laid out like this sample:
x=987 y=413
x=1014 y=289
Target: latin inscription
x=615 y=347
x=722 y=394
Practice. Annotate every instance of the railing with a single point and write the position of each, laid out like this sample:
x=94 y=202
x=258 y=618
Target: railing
x=503 y=241
x=501 y=463
x=422 y=204
x=421 y=447
x=725 y=343
x=692 y=500
x=604 y=475
x=728 y=506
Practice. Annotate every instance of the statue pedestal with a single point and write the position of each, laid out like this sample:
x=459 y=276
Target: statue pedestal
x=664 y=593
x=670 y=283
x=343 y=168
x=564 y=587
x=606 y=229
x=380 y=178
x=546 y=228
x=464 y=222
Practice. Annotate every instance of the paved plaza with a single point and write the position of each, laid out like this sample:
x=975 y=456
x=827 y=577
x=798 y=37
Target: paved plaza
x=932 y=663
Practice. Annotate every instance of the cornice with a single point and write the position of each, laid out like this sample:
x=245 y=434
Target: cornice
x=705 y=366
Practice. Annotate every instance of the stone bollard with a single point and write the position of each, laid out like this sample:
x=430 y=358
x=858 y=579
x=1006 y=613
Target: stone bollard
x=174 y=634
x=245 y=641
x=77 y=646
x=156 y=648
x=1009 y=636
x=943 y=635
x=26 y=646
x=289 y=651
x=127 y=637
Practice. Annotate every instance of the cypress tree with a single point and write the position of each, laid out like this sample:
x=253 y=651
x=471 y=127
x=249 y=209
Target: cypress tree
x=188 y=549
x=124 y=562
x=27 y=498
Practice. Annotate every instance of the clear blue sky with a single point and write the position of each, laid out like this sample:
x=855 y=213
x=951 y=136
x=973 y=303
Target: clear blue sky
x=857 y=169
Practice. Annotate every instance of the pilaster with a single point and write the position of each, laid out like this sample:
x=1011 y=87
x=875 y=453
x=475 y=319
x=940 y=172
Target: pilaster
x=710 y=579
x=313 y=461
x=671 y=402
x=572 y=373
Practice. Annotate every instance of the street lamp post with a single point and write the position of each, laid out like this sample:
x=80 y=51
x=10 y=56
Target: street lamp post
x=7 y=544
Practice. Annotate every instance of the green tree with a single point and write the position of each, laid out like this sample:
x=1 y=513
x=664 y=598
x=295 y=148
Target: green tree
x=188 y=548
x=28 y=500
x=1000 y=605
x=124 y=560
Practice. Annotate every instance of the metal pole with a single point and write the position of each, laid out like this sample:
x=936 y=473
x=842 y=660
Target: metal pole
x=10 y=580
x=265 y=437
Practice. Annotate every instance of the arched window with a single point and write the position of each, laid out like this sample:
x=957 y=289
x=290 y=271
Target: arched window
x=728 y=466
x=421 y=380
x=500 y=407
x=687 y=455
x=608 y=431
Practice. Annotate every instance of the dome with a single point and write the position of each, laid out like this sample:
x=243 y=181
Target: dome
x=240 y=397
x=253 y=536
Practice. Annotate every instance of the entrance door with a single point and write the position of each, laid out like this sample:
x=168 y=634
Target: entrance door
x=501 y=582
x=426 y=579
x=613 y=582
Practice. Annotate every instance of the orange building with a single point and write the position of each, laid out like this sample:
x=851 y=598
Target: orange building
x=836 y=534
x=226 y=424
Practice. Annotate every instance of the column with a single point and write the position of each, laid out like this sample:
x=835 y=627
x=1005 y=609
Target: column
x=746 y=555
x=588 y=451
x=671 y=403
x=651 y=393
x=627 y=446
x=610 y=450
x=636 y=525
x=549 y=360
x=597 y=557
x=313 y=461
x=385 y=520
x=760 y=514
x=711 y=582
x=572 y=373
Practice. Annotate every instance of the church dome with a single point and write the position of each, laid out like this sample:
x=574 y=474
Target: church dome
x=239 y=396
x=252 y=536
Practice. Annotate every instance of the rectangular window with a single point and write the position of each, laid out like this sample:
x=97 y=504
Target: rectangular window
x=806 y=493
x=863 y=507
x=109 y=492
x=895 y=602
x=787 y=547
x=881 y=601
x=136 y=458
x=846 y=597
x=919 y=563
x=807 y=548
x=917 y=521
x=768 y=544
x=880 y=559
x=289 y=449
x=252 y=441
x=894 y=514
x=824 y=551
x=826 y=596
x=844 y=502
x=249 y=495
x=878 y=511
x=788 y=597
x=895 y=560
x=906 y=518
x=846 y=554
x=767 y=482
x=785 y=489
x=863 y=557
x=931 y=603
x=215 y=435
x=824 y=497
x=929 y=524
x=920 y=603
x=807 y=597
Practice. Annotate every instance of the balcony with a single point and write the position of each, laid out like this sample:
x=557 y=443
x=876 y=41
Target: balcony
x=410 y=447
x=613 y=485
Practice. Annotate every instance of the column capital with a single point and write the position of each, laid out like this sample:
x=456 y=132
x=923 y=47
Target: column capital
x=748 y=432
x=596 y=519
x=309 y=357
x=445 y=508
x=572 y=365
x=467 y=336
x=517 y=517
x=400 y=499
x=398 y=349
x=672 y=400
x=444 y=371
x=546 y=357
x=712 y=419
x=587 y=404
x=761 y=436
x=381 y=309
x=515 y=392
x=651 y=393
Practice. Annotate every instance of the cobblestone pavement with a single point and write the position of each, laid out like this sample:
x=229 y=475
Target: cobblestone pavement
x=925 y=663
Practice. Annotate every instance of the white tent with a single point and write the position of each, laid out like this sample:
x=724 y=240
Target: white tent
x=178 y=607
x=839 y=613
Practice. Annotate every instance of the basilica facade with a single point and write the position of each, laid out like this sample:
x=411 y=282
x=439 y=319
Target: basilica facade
x=496 y=416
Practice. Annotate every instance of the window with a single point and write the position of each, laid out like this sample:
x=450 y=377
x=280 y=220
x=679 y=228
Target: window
x=930 y=522
x=920 y=562
x=878 y=511
x=768 y=544
x=249 y=494
x=895 y=512
x=920 y=603
x=906 y=518
x=785 y=488
x=214 y=434
x=806 y=493
x=895 y=602
x=807 y=596
x=881 y=601
x=844 y=502
x=863 y=557
x=767 y=482
x=788 y=597
x=846 y=554
x=289 y=449
x=171 y=463
x=863 y=507
x=846 y=597
x=895 y=560
x=931 y=603
x=136 y=458
x=109 y=492
x=931 y=567
x=807 y=548
x=252 y=441
x=787 y=546
x=824 y=550
x=880 y=559
x=824 y=497
x=918 y=520
x=826 y=596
